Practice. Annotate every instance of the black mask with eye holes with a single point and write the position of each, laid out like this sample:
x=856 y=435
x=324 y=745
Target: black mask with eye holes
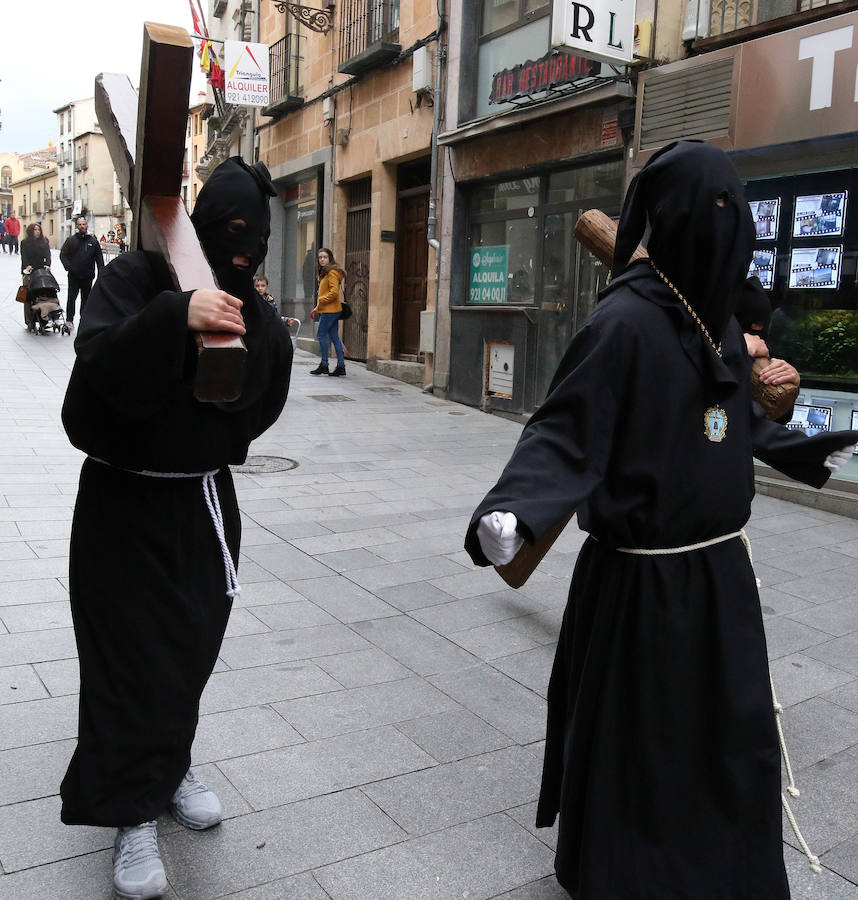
x=702 y=233
x=754 y=308
x=235 y=193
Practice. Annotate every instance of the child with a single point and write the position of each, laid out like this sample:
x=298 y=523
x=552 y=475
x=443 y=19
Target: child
x=260 y=282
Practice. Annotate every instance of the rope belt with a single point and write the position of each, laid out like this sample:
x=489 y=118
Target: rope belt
x=779 y=710
x=233 y=588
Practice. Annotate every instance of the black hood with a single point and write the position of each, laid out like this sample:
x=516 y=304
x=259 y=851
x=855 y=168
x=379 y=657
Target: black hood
x=234 y=190
x=701 y=230
x=753 y=306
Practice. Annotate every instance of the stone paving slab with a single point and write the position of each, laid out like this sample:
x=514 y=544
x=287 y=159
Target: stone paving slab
x=375 y=723
x=453 y=863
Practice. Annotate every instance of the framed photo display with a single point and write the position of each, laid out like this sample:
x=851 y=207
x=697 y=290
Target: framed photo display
x=815 y=267
x=819 y=215
x=766 y=214
x=763 y=266
x=811 y=419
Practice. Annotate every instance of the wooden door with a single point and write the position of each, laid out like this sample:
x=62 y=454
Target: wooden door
x=356 y=264
x=412 y=260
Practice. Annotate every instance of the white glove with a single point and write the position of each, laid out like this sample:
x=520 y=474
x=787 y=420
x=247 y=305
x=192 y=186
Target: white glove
x=839 y=458
x=498 y=538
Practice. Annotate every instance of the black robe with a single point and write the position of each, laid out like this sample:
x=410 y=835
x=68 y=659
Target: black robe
x=661 y=754
x=147 y=580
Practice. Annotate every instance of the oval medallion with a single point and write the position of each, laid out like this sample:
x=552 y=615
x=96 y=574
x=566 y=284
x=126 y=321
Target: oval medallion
x=715 y=423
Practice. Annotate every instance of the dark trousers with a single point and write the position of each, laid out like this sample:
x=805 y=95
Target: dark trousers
x=12 y=241
x=77 y=284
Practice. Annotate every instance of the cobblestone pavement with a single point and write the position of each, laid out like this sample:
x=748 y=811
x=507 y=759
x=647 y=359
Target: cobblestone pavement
x=375 y=720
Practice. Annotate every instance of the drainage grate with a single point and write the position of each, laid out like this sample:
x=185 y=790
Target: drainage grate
x=258 y=465
x=384 y=390
x=331 y=398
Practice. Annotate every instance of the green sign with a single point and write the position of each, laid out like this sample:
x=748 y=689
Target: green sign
x=489 y=267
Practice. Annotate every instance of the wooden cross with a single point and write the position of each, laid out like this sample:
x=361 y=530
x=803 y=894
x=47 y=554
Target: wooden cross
x=146 y=140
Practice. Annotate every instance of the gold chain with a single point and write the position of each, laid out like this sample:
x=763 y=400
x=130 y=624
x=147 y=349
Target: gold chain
x=687 y=305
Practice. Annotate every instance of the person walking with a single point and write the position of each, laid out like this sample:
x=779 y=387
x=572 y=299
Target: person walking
x=35 y=250
x=13 y=229
x=156 y=530
x=80 y=254
x=2 y=233
x=327 y=310
x=661 y=756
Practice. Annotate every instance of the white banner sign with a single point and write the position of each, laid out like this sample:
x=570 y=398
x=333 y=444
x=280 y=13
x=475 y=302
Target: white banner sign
x=599 y=29
x=246 y=80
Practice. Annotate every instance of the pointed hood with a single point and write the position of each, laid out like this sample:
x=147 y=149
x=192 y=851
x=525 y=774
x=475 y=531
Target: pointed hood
x=235 y=191
x=701 y=229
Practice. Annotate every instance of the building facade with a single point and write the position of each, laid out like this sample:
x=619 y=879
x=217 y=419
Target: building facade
x=229 y=129
x=195 y=149
x=32 y=186
x=532 y=137
x=348 y=140
x=34 y=198
x=775 y=88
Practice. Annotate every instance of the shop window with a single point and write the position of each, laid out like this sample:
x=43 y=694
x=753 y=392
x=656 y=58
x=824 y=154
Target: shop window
x=805 y=256
x=500 y=14
x=300 y=224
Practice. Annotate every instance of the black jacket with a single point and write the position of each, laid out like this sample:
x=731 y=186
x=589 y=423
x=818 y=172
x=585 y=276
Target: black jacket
x=80 y=255
x=35 y=253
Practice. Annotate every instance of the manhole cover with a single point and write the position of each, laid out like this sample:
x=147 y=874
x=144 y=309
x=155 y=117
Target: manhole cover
x=257 y=465
x=384 y=390
x=331 y=398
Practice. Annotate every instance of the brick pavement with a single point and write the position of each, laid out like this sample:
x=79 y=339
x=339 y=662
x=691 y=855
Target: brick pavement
x=374 y=724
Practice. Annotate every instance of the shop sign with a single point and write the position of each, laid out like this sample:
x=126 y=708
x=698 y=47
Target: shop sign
x=799 y=84
x=533 y=76
x=597 y=29
x=489 y=267
x=246 y=68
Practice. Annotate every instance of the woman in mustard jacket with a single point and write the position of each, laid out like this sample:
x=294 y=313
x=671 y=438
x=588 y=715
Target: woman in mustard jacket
x=328 y=308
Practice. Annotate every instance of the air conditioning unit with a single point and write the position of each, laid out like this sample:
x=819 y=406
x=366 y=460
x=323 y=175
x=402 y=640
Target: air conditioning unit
x=421 y=71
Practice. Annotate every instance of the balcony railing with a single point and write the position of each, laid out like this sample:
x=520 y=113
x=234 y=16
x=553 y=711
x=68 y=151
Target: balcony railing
x=36 y=209
x=22 y=209
x=81 y=164
x=285 y=61
x=711 y=18
x=6 y=184
x=117 y=210
x=369 y=34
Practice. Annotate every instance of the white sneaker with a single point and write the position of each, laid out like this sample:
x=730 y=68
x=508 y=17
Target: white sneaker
x=138 y=872
x=194 y=805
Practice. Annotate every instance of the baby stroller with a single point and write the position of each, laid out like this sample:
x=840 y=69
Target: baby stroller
x=42 y=311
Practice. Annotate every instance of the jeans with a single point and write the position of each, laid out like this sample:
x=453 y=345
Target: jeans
x=329 y=332
x=77 y=284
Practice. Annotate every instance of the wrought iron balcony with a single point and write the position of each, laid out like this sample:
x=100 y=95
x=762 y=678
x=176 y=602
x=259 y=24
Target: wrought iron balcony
x=81 y=164
x=369 y=34
x=117 y=210
x=36 y=209
x=285 y=60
